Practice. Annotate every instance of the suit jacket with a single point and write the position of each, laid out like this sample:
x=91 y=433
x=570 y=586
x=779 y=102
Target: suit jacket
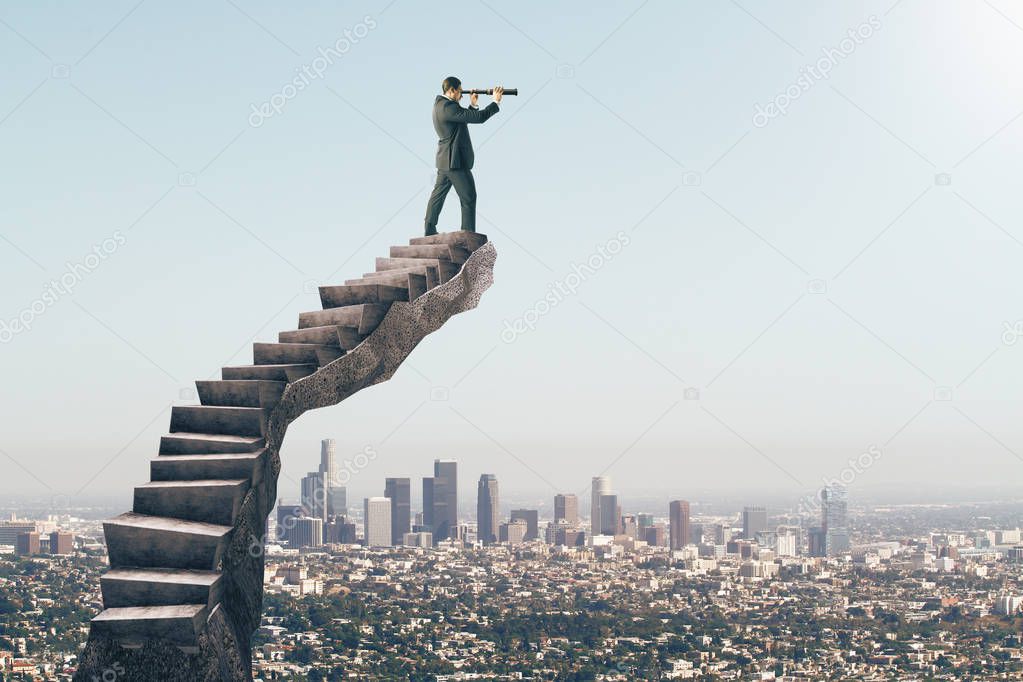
x=450 y=119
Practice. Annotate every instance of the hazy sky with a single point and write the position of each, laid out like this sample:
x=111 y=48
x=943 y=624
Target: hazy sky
x=796 y=288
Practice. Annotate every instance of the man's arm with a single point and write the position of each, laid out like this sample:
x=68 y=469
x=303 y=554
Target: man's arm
x=453 y=113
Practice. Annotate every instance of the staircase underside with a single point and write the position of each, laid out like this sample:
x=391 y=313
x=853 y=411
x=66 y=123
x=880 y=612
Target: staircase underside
x=184 y=591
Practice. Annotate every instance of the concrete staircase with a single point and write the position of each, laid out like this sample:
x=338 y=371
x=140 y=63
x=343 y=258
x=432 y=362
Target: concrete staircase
x=166 y=555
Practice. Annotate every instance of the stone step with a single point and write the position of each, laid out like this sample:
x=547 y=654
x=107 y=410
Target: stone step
x=231 y=421
x=467 y=240
x=350 y=337
x=354 y=294
x=415 y=282
x=127 y=587
x=327 y=354
x=286 y=373
x=322 y=336
x=430 y=272
x=179 y=625
x=445 y=268
x=182 y=443
x=285 y=353
x=455 y=254
x=240 y=393
x=365 y=317
x=209 y=501
x=249 y=465
x=141 y=541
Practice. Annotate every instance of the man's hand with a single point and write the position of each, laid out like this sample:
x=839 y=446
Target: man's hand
x=498 y=91
x=473 y=98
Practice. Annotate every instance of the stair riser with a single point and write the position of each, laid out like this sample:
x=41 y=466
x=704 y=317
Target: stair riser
x=283 y=354
x=125 y=593
x=133 y=547
x=171 y=445
x=323 y=336
x=467 y=240
x=455 y=254
x=206 y=468
x=364 y=317
x=182 y=632
x=250 y=372
x=431 y=273
x=337 y=296
x=329 y=355
x=265 y=394
x=227 y=421
x=214 y=504
x=445 y=268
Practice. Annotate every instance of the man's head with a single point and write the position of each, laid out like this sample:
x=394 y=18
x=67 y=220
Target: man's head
x=452 y=88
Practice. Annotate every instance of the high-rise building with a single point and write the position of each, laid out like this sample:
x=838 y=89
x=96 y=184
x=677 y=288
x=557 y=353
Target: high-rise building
x=754 y=520
x=335 y=495
x=513 y=532
x=834 y=520
x=307 y=532
x=717 y=534
x=645 y=521
x=287 y=515
x=427 y=520
x=11 y=528
x=532 y=520
x=377 y=521
x=314 y=495
x=654 y=535
x=818 y=546
x=399 y=492
x=445 y=498
x=566 y=509
x=27 y=544
x=599 y=486
x=610 y=515
x=486 y=509
x=678 y=516
x=61 y=542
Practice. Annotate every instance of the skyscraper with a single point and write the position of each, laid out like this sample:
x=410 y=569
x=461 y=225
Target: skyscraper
x=531 y=517
x=399 y=492
x=445 y=498
x=610 y=515
x=678 y=514
x=754 y=520
x=486 y=509
x=428 y=504
x=599 y=486
x=314 y=495
x=377 y=521
x=566 y=509
x=834 y=520
x=335 y=496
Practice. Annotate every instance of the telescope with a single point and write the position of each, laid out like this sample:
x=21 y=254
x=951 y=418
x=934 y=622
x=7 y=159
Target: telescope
x=490 y=91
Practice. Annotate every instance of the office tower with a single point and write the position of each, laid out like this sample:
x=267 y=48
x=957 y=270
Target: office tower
x=445 y=498
x=717 y=534
x=422 y=539
x=61 y=542
x=308 y=532
x=566 y=509
x=645 y=521
x=834 y=520
x=817 y=544
x=610 y=515
x=754 y=520
x=785 y=544
x=532 y=521
x=599 y=486
x=341 y=530
x=337 y=501
x=654 y=535
x=399 y=492
x=287 y=514
x=314 y=495
x=328 y=462
x=10 y=530
x=696 y=531
x=27 y=544
x=427 y=515
x=486 y=509
x=513 y=532
x=678 y=516
x=377 y=521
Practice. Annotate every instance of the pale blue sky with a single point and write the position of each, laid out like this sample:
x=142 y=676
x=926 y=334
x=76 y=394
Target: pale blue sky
x=634 y=117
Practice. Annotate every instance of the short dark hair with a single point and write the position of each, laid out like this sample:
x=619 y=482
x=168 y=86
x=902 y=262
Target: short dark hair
x=450 y=83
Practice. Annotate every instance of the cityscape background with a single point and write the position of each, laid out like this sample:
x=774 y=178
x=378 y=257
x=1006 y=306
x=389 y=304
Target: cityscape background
x=796 y=288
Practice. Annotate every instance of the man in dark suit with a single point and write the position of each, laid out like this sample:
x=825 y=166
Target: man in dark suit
x=454 y=151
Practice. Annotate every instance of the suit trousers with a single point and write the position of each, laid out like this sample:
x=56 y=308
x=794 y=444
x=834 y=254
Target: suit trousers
x=465 y=186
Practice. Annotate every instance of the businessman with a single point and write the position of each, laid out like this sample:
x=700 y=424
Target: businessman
x=454 y=151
